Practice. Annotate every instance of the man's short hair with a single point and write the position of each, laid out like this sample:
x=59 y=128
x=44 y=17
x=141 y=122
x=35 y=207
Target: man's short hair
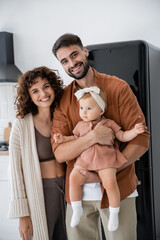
x=66 y=40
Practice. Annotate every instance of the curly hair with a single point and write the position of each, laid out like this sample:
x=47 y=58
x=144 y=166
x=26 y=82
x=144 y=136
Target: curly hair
x=23 y=102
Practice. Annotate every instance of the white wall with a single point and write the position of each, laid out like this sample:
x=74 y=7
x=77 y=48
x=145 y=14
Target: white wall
x=36 y=24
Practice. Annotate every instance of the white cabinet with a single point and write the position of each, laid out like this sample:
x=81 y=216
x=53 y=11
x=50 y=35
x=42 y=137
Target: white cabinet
x=8 y=227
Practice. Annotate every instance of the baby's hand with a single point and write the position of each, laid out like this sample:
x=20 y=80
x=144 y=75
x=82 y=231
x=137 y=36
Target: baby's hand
x=139 y=128
x=58 y=137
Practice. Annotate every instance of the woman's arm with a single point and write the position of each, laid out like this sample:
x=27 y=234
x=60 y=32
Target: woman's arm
x=25 y=228
x=18 y=199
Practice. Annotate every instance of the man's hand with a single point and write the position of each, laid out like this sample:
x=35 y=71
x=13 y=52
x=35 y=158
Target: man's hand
x=72 y=149
x=91 y=177
x=25 y=228
x=103 y=135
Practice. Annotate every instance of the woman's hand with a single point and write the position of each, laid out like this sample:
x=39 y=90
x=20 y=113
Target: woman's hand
x=91 y=177
x=25 y=228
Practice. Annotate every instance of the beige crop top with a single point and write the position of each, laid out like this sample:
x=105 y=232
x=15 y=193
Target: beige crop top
x=44 y=147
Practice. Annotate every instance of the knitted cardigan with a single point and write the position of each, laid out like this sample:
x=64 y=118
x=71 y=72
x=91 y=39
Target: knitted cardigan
x=25 y=179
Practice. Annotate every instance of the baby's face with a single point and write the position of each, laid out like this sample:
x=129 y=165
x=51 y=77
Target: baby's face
x=89 y=110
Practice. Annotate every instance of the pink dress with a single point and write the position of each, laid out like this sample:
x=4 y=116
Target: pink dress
x=98 y=156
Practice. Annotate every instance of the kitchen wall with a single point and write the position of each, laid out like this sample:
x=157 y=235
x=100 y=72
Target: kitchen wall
x=7 y=111
x=37 y=24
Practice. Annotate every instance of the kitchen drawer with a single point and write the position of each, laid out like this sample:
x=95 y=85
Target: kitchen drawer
x=4 y=161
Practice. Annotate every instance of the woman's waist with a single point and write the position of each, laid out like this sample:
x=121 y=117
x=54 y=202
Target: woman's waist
x=52 y=169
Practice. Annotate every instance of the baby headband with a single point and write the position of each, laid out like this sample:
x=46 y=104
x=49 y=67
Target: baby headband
x=94 y=91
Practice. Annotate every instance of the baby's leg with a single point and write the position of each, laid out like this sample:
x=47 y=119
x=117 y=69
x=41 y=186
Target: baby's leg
x=109 y=181
x=76 y=182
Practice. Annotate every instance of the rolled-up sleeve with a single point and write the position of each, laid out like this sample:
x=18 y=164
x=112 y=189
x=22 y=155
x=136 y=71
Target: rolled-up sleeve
x=60 y=125
x=130 y=114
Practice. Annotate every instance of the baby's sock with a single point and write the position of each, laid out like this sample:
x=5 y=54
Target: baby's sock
x=77 y=212
x=113 y=218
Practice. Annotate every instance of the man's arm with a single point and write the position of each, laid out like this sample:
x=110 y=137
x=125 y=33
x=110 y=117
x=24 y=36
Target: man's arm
x=74 y=148
x=130 y=114
x=132 y=152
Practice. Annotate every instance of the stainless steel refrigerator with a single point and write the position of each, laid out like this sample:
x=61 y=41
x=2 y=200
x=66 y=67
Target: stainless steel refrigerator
x=138 y=63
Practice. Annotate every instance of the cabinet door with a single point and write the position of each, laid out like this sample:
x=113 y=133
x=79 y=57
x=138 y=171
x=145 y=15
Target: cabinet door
x=8 y=227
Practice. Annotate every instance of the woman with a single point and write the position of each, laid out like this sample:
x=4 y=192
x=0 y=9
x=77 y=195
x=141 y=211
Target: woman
x=36 y=178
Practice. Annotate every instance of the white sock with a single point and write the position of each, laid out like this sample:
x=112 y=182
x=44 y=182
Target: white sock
x=77 y=213
x=113 y=218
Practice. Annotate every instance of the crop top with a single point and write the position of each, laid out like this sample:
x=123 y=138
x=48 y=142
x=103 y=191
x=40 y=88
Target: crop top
x=44 y=147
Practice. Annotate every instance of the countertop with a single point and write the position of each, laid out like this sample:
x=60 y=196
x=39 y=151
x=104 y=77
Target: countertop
x=4 y=152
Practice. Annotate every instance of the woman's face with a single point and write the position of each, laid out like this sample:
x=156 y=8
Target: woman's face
x=41 y=93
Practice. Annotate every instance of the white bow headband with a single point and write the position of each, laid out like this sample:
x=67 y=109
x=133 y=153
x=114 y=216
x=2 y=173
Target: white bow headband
x=94 y=91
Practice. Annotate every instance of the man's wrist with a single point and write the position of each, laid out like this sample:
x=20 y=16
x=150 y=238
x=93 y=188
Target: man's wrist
x=90 y=138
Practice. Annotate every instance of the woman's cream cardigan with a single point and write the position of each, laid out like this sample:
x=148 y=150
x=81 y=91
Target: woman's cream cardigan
x=25 y=179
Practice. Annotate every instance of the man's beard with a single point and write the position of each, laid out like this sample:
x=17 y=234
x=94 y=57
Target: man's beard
x=84 y=71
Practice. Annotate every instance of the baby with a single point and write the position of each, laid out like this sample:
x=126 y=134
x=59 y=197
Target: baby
x=99 y=158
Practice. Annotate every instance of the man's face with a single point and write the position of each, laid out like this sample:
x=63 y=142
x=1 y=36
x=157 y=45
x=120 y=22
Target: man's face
x=74 y=61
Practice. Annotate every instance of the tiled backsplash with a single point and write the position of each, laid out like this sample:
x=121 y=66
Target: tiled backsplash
x=7 y=112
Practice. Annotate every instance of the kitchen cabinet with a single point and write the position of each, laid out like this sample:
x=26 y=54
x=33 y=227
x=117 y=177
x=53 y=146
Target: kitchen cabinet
x=8 y=227
x=7 y=111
